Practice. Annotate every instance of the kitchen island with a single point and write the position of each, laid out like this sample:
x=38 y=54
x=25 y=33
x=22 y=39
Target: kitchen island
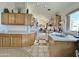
x=61 y=46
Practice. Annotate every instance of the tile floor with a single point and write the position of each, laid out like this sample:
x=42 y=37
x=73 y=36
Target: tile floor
x=40 y=50
x=37 y=50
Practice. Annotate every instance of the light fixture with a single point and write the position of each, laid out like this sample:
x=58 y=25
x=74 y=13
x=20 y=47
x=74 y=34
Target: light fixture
x=49 y=9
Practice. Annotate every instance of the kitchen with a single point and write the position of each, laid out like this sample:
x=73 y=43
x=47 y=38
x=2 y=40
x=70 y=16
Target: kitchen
x=24 y=25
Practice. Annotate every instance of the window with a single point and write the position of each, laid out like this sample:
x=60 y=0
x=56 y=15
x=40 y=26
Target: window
x=73 y=21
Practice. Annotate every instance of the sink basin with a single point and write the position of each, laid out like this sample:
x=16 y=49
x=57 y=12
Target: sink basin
x=60 y=35
x=76 y=37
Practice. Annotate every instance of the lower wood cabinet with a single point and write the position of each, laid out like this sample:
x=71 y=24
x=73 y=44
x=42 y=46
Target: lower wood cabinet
x=1 y=41
x=16 y=40
x=61 y=48
x=4 y=40
x=28 y=40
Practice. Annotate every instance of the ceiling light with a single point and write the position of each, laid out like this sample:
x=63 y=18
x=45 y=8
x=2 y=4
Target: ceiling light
x=49 y=9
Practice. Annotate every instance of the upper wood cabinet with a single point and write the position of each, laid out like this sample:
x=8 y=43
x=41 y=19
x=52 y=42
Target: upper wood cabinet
x=5 y=18
x=16 y=19
x=55 y=20
x=11 y=18
x=20 y=18
x=28 y=19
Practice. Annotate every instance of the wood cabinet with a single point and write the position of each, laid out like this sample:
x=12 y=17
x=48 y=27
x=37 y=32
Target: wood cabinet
x=16 y=40
x=61 y=48
x=20 y=18
x=28 y=19
x=28 y=40
x=0 y=41
x=4 y=40
x=5 y=18
x=55 y=20
x=16 y=19
x=11 y=18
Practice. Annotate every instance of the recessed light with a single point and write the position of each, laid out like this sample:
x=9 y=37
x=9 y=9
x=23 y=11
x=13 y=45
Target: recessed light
x=49 y=9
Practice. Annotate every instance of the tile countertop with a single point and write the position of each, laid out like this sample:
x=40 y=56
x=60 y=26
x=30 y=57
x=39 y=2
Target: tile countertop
x=19 y=30
x=16 y=32
x=63 y=38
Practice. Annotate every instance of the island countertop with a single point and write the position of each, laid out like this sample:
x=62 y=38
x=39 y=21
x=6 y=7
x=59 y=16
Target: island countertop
x=63 y=38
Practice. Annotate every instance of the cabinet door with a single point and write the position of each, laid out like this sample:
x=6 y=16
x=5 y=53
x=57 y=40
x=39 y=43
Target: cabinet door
x=28 y=19
x=20 y=19
x=16 y=41
x=25 y=40
x=6 y=41
x=0 y=41
x=28 y=39
x=58 y=20
x=11 y=18
x=55 y=21
x=4 y=19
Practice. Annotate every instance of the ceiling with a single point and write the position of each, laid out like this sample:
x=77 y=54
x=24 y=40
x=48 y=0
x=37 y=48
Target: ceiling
x=40 y=9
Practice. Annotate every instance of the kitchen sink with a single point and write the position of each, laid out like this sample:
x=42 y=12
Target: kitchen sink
x=60 y=35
